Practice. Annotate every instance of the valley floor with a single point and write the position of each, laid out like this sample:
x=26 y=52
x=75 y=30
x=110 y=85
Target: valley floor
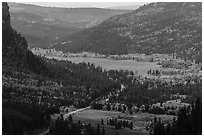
x=140 y=120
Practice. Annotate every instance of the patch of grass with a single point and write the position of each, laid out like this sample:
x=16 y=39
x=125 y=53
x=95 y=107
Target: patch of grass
x=108 y=64
x=139 y=120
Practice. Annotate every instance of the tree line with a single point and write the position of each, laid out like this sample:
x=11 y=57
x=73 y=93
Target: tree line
x=189 y=122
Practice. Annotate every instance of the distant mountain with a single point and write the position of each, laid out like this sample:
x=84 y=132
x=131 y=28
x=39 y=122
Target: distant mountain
x=43 y=26
x=152 y=28
x=127 y=7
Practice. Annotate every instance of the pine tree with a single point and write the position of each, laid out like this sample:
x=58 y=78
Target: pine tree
x=102 y=122
x=98 y=132
x=103 y=131
x=70 y=118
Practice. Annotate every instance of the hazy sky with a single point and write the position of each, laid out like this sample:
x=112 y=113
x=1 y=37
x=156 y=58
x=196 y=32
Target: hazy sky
x=85 y=4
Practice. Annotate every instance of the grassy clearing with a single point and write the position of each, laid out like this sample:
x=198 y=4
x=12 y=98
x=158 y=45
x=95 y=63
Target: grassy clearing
x=108 y=64
x=139 y=120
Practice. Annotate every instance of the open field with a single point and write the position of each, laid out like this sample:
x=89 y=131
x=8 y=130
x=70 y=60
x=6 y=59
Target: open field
x=139 y=120
x=108 y=64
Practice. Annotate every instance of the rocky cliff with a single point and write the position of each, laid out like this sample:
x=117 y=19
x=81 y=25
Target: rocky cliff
x=5 y=15
x=15 y=51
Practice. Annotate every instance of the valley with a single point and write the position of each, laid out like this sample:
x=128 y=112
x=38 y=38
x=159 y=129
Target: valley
x=144 y=69
x=145 y=66
x=139 y=68
x=94 y=71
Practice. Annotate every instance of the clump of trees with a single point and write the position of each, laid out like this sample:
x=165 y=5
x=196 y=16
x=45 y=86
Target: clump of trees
x=21 y=118
x=154 y=72
x=189 y=122
x=119 y=123
x=69 y=127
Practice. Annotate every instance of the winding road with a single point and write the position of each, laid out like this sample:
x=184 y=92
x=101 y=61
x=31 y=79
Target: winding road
x=65 y=117
x=74 y=112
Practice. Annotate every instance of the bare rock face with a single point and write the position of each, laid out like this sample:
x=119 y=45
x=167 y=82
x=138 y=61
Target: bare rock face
x=5 y=15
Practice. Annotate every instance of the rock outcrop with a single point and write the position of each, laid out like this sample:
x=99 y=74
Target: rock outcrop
x=15 y=51
x=5 y=16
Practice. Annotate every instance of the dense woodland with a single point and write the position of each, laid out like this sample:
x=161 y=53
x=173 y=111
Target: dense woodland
x=19 y=118
x=85 y=83
x=189 y=122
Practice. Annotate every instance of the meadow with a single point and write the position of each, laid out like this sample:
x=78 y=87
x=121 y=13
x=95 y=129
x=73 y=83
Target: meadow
x=140 y=120
x=140 y=67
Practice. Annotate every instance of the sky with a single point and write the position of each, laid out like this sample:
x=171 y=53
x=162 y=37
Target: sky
x=85 y=4
x=92 y=3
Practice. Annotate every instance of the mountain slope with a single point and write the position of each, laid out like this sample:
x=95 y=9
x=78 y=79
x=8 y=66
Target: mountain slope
x=132 y=7
x=153 y=28
x=15 y=48
x=33 y=88
x=43 y=26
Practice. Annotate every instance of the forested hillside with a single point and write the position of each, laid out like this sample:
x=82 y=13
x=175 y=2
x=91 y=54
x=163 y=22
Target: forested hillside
x=43 y=26
x=152 y=28
x=34 y=87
